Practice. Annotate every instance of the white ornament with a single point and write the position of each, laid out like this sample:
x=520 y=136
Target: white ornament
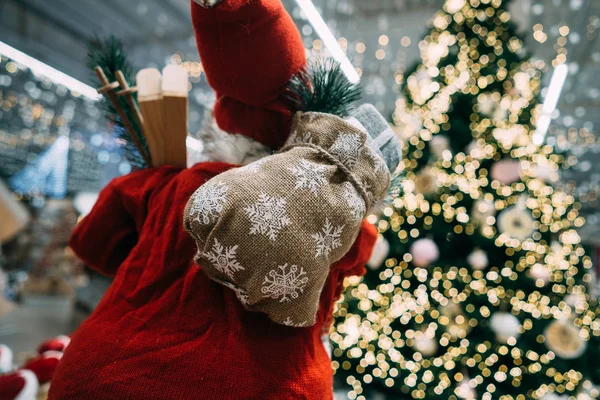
x=554 y=396
x=544 y=172
x=380 y=253
x=309 y=176
x=517 y=222
x=438 y=144
x=564 y=339
x=346 y=148
x=426 y=345
x=478 y=259
x=284 y=284
x=224 y=259
x=576 y=300
x=482 y=210
x=424 y=252
x=208 y=201
x=506 y=171
x=505 y=325
x=328 y=239
x=541 y=273
x=354 y=201
x=267 y=216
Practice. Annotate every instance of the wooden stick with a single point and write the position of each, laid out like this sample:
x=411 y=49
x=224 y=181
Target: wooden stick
x=150 y=100
x=107 y=89
x=127 y=91
x=175 y=110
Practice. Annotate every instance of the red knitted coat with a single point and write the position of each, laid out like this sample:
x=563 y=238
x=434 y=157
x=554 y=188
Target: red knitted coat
x=164 y=330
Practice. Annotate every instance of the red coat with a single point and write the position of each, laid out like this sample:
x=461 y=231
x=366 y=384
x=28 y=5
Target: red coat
x=164 y=330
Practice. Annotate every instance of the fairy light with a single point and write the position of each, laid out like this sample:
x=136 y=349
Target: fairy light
x=419 y=332
x=328 y=39
x=38 y=67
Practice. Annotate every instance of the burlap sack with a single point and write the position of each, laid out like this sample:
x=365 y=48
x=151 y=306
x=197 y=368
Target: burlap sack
x=271 y=230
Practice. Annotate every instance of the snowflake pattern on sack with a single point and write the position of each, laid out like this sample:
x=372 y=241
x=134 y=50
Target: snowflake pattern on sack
x=328 y=239
x=240 y=293
x=252 y=168
x=288 y=322
x=346 y=148
x=284 y=284
x=378 y=162
x=354 y=201
x=224 y=258
x=309 y=176
x=267 y=216
x=307 y=137
x=208 y=202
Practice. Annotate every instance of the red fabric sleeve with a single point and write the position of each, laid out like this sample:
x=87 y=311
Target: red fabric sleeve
x=249 y=50
x=104 y=238
x=353 y=263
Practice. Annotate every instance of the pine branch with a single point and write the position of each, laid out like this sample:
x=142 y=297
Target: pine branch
x=110 y=55
x=323 y=87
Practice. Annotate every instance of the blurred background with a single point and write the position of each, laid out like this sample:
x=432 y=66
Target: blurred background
x=57 y=150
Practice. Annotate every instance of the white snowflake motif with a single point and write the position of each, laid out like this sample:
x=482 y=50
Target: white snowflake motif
x=239 y=292
x=346 y=148
x=378 y=161
x=284 y=284
x=328 y=239
x=306 y=138
x=253 y=167
x=267 y=216
x=309 y=176
x=289 y=322
x=354 y=201
x=208 y=202
x=224 y=258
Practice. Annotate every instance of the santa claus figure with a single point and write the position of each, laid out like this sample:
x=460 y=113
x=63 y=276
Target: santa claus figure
x=164 y=329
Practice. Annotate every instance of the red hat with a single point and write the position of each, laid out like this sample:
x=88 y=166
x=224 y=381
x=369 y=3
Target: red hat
x=20 y=385
x=44 y=366
x=249 y=49
x=58 y=343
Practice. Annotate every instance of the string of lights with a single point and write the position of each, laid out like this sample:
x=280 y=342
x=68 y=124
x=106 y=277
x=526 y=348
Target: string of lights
x=483 y=293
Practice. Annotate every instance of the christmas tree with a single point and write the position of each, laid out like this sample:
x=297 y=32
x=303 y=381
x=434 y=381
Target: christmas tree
x=481 y=292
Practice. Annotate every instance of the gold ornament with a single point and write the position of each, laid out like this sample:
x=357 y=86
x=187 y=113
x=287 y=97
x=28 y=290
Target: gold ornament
x=426 y=181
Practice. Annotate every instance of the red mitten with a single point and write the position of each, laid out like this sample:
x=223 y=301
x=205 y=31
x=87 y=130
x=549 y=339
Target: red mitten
x=43 y=366
x=20 y=385
x=58 y=343
x=6 y=359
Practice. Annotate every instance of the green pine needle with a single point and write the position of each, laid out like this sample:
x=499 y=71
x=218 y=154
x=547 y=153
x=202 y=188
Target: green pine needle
x=323 y=87
x=110 y=55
